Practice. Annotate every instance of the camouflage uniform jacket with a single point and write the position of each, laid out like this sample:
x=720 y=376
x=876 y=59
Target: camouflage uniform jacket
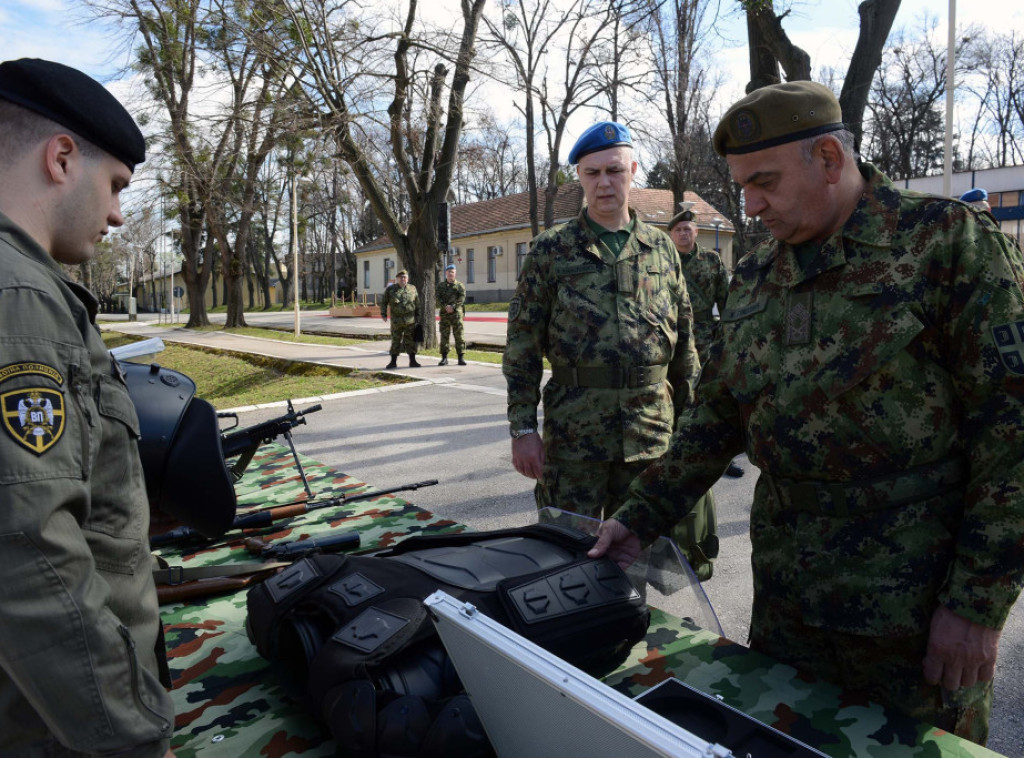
x=708 y=285
x=453 y=294
x=404 y=303
x=581 y=306
x=897 y=346
x=78 y=605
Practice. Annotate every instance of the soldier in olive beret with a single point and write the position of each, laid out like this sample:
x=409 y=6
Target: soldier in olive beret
x=872 y=366
x=603 y=298
x=80 y=661
x=402 y=301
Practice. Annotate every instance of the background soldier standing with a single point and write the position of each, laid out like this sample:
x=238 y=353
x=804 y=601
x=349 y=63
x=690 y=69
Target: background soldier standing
x=403 y=301
x=81 y=652
x=872 y=364
x=451 y=299
x=604 y=299
x=707 y=283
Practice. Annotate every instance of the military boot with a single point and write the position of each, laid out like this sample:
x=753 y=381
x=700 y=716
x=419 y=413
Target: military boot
x=412 y=361
x=462 y=361
x=444 y=360
x=394 y=361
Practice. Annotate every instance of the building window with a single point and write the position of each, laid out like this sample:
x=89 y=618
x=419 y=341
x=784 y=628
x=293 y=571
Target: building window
x=389 y=266
x=366 y=275
x=492 y=264
x=520 y=258
x=470 y=268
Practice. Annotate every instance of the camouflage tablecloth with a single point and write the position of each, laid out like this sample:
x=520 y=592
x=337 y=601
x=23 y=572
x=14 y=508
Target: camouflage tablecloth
x=228 y=704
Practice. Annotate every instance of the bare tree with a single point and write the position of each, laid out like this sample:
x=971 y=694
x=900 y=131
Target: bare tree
x=995 y=67
x=336 y=55
x=526 y=33
x=904 y=136
x=771 y=47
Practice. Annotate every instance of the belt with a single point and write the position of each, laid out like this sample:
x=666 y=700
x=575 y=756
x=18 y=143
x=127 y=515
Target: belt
x=608 y=377
x=847 y=498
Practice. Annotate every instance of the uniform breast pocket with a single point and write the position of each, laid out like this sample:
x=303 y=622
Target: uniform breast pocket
x=119 y=514
x=870 y=372
x=578 y=308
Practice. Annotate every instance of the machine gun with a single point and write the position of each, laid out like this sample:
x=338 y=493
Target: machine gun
x=245 y=442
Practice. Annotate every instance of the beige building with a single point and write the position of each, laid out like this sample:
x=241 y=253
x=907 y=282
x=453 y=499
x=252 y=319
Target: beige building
x=490 y=239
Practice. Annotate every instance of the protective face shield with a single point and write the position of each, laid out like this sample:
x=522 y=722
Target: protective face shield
x=180 y=447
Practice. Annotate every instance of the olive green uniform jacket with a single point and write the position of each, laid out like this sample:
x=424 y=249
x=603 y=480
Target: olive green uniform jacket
x=78 y=607
x=707 y=283
x=879 y=387
x=404 y=303
x=584 y=308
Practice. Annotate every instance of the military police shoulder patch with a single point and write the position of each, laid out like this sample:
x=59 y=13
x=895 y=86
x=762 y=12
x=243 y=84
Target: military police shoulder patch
x=515 y=307
x=12 y=370
x=1009 y=340
x=33 y=417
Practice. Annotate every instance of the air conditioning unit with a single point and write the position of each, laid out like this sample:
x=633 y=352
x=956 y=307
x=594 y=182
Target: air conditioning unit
x=498 y=250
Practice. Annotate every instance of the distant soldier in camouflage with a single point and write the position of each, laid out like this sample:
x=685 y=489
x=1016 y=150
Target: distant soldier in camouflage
x=604 y=299
x=403 y=301
x=708 y=285
x=451 y=301
x=871 y=365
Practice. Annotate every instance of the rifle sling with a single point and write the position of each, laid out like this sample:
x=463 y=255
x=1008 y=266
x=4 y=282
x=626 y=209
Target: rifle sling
x=174 y=575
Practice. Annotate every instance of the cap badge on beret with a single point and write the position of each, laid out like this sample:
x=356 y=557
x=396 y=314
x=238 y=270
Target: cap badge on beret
x=609 y=132
x=745 y=125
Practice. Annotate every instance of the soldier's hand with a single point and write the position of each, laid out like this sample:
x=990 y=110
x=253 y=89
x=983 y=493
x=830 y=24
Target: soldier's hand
x=170 y=754
x=615 y=540
x=960 y=652
x=449 y=309
x=528 y=455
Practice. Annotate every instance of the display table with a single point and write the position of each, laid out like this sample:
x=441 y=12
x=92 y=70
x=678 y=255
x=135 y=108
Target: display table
x=228 y=704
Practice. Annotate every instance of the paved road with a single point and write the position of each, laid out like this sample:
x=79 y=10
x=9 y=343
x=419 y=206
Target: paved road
x=449 y=424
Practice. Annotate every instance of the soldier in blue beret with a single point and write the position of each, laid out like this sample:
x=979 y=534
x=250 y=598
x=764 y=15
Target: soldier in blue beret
x=81 y=654
x=604 y=299
x=871 y=364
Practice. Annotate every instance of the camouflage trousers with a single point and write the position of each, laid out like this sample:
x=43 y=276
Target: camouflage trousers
x=402 y=338
x=886 y=670
x=451 y=323
x=597 y=489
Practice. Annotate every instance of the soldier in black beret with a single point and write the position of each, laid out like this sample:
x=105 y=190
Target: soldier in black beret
x=80 y=661
x=871 y=364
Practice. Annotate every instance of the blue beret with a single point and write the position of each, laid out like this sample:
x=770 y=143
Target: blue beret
x=974 y=195
x=450 y=267
x=600 y=136
x=75 y=101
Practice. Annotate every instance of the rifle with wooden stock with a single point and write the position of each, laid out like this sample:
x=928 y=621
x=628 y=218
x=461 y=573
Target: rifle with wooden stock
x=178 y=583
x=267 y=516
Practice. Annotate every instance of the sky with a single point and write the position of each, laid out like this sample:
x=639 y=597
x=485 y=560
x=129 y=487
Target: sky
x=826 y=29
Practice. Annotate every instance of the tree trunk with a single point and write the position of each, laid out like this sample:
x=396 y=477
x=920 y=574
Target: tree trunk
x=876 y=20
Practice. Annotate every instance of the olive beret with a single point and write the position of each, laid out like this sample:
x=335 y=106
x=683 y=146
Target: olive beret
x=600 y=136
x=75 y=101
x=402 y=272
x=686 y=215
x=778 y=114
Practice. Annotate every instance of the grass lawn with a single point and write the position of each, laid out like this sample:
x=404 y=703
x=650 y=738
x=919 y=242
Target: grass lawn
x=228 y=380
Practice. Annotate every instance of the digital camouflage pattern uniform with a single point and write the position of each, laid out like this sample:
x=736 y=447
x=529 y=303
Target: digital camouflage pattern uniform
x=618 y=333
x=78 y=609
x=879 y=387
x=453 y=294
x=404 y=303
x=707 y=283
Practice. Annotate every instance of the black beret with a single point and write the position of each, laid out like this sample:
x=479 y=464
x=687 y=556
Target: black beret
x=75 y=101
x=686 y=215
x=777 y=114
